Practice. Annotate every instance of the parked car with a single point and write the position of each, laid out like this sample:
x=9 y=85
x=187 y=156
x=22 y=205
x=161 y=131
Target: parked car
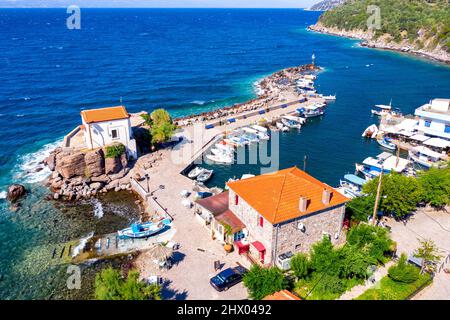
x=228 y=278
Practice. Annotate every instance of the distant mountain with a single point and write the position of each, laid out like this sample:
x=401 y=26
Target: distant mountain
x=326 y=5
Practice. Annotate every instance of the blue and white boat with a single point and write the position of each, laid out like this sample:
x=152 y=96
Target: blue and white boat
x=371 y=166
x=143 y=230
x=352 y=185
x=386 y=143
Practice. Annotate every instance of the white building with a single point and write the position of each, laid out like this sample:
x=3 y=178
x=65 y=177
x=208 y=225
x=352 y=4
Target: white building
x=106 y=126
x=434 y=118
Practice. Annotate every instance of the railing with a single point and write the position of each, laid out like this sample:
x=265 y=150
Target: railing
x=69 y=136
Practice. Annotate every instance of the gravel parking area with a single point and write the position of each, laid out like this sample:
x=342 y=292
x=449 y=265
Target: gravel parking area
x=427 y=223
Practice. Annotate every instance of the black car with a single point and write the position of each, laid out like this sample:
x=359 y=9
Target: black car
x=228 y=278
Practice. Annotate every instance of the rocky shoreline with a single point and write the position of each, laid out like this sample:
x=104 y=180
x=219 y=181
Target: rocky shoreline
x=383 y=43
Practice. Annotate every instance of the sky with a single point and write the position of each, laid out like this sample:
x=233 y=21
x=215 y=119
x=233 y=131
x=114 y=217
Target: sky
x=160 y=3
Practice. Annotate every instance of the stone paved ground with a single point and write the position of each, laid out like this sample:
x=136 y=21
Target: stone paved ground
x=427 y=224
x=189 y=279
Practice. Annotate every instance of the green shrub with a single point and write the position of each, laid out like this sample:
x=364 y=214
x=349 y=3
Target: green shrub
x=110 y=285
x=115 y=150
x=371 y=240
x=404 y=272
x=300 y=265
x=261 y=282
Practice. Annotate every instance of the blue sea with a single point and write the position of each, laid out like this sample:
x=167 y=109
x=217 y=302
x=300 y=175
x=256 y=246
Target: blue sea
x=184 y=60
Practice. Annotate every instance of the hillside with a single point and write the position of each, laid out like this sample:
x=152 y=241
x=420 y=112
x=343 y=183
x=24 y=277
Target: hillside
x=326 y=5
x=416 y=26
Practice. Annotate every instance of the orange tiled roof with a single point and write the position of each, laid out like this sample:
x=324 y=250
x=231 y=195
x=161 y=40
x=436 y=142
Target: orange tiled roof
x=282 y=295
x=276 y=195
x=104 y=114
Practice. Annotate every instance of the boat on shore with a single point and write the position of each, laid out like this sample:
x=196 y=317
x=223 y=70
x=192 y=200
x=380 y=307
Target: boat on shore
x=194 y=173
x=370 y=132
x=386 y=143
x=143 y=230
x=205 y=175
x=427 y=157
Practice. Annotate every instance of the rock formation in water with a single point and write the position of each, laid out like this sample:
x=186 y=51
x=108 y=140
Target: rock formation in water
x=15 y=192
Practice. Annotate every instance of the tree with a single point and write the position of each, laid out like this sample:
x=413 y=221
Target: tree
x=324 y=258
x=361 y=208
x=162 y=127
x=435 y=185
x=400 y=194
x=403 y=272
x=429 y=253
x=110 y=285
x=160 y=116
x=370 y=240
x=354 y=262
x=300 y=265
x=261 y=282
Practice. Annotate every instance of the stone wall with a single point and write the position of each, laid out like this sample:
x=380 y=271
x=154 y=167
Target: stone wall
x=290 y=238
x=250 y=217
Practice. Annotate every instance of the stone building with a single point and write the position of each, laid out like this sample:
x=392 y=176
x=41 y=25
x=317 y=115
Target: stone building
x=286 y=211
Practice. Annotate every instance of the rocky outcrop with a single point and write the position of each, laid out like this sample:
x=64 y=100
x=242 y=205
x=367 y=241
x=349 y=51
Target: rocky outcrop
x=70 y=165
x=95 y=163
x=15 y=192
x=78 y=174
x=326 y=5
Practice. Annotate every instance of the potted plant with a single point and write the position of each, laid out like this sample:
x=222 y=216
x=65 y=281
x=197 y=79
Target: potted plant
x=228 y=247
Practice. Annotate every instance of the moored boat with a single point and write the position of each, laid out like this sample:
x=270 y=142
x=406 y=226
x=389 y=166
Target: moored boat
x=195 y=172
x=386 y=143
x=352 y=185
x=205 y=176
x=370 y=132
x=220 y=158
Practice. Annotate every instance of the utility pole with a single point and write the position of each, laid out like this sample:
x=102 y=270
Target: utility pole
x=305 y=159
x=377 y=199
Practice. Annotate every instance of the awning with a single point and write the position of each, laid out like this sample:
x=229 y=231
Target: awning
x=258 y=246
x=355 y=179
x=438 y=143
x=419 y=137
x=427 y=152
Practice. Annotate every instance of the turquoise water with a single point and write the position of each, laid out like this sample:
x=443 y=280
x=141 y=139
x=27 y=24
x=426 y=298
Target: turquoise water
x=186 y=61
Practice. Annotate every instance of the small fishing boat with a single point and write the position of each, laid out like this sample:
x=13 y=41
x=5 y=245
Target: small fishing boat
x=263 y=136
x=292 y=122
x=282 y=127
x=247 y=175
x=194 y=173
x=352 y=185
x=260 y=128
x=236 y=141
x=205 y=176
x=371 y=166
x=386 y=143
x=427 y=157
x=143 y=230
x=311 y=111
x=370 y=132
x=381 y=109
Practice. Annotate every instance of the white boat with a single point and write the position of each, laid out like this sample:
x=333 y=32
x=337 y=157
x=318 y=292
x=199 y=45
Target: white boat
x=236 y=141
x=263 y=136
x=311 y=111
x=384 y=110
x=195 y=172
x=224 y=147
x=370 y=132
x=282 y=127
x=371 y=167
x=220 y=152
x=427 y=157
x=292 y=122
x=310 y=76
x=260 y=128
x=205 y=176
x=247 y=175
x=386 y=143
x=220 y=158
x=330 y=98
x=352 y=185
x=143 y=230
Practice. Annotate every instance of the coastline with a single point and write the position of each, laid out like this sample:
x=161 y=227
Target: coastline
x=366 y=40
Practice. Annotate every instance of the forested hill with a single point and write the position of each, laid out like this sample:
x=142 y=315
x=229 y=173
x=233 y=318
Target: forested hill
x=422 y=24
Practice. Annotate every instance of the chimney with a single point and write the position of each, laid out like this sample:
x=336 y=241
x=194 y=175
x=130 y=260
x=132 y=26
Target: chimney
x=303 y=204
x=326 y=196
